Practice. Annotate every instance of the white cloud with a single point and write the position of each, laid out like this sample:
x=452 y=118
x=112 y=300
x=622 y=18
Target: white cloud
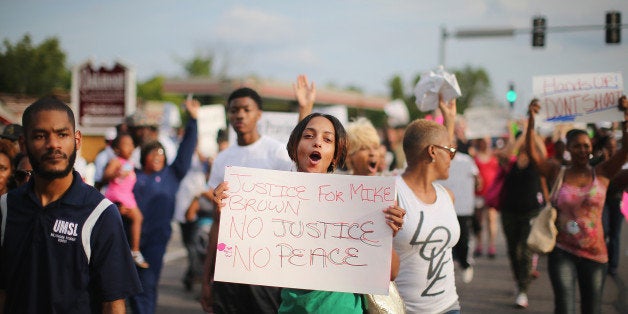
x=250 y=26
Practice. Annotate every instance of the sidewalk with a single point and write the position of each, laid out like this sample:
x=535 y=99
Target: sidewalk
x=492 y=288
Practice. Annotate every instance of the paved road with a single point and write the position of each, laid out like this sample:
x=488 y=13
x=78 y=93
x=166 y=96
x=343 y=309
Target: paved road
x=491 y=290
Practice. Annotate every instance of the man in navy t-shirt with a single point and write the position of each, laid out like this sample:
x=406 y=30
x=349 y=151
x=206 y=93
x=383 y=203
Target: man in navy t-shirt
x=63 y=248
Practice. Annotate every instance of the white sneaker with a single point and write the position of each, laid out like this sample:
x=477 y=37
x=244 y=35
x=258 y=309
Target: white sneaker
x=467 y=274
x=522 y=300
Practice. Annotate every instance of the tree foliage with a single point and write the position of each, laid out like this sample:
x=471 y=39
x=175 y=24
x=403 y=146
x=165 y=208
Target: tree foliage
x=151 y=89
x=33 y=69
x=475 y=86
x=199 y=66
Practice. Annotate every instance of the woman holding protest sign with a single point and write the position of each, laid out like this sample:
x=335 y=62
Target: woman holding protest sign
x=318 y=144
x=426 y=272
x=580 y=254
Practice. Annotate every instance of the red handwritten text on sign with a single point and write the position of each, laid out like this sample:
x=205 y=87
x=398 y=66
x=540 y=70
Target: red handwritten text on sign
x=310 y=231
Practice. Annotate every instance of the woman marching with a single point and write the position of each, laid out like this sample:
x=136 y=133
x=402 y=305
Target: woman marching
x=580 y=254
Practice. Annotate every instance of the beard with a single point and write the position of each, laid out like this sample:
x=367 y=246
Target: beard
x=51 y=174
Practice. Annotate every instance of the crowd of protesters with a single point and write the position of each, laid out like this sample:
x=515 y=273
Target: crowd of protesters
x=115 y=260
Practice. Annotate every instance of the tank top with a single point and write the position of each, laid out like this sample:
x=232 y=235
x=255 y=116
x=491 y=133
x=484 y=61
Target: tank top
x=521 y=191
x=488 y=170
x=426 y=279
x=579 y=221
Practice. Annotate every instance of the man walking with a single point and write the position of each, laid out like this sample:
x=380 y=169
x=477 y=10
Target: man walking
x=63 y=248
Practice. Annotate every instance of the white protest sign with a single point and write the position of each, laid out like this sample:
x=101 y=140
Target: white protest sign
x=279 y=125
x=306 y=231
x=211 y=118
x=486 y=122
x=588 y=97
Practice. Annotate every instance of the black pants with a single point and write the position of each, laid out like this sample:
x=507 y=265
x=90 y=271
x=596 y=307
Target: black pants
x=195 y=266
x=516 y=226
x=613 y=219
x=461 y=249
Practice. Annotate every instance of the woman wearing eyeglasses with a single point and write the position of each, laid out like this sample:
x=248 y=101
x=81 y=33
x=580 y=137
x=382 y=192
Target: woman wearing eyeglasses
x=426 y=272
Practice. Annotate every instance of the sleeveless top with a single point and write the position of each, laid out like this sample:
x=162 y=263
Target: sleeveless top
x=426 y=279
x=488 y=171
x=579 y=221
x=521 y=192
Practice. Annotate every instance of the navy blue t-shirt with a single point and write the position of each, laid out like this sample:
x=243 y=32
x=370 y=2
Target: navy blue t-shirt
x=44 y=265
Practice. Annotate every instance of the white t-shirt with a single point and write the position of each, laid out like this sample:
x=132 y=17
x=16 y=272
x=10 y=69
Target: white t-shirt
x=426 y=278
x=461 y=182
x=192 y=185
x=265 y=153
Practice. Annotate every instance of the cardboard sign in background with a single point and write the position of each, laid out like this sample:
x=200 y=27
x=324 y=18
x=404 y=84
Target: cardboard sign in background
x=306 y=231
x=588 y=97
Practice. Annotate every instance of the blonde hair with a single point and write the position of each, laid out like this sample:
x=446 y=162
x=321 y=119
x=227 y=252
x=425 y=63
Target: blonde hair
x=361 y=134
x=419 y=134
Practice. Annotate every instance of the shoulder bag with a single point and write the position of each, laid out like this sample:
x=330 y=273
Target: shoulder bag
x=386 y=304
x=543 y=231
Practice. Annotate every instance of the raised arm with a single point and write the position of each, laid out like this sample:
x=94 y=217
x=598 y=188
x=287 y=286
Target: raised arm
x=611 y=166
x=305 y=94
x=448 y=109
x=536 y=155
x=187 y=147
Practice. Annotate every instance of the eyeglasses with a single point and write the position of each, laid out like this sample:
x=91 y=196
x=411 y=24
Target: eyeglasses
x=22 y=175
x=452 y=151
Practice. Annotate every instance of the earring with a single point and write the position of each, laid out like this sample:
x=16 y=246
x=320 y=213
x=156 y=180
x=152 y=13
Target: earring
x=590 y=156
x=433 y=160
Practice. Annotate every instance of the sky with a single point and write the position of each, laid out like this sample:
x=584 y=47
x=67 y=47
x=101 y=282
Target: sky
x=346 y=43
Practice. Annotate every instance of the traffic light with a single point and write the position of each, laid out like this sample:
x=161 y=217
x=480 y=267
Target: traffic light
x=613 y=27
x=538 y=31
x=511 y=95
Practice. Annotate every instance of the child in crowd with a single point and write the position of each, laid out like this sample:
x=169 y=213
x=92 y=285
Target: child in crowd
x=120 y=173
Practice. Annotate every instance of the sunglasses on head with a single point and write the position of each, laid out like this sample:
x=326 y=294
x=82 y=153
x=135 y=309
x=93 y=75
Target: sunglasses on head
x=22 y=175
x=452 y=151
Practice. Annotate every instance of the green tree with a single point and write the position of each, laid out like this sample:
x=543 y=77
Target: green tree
x=396 y=88
x=199 y=66
x=33 y=69
x=397 y=91
x=475 y=86
x=151 y=89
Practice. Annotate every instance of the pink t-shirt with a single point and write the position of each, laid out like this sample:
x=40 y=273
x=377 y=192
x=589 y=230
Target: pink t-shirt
x=579 y=221
x=120 y=189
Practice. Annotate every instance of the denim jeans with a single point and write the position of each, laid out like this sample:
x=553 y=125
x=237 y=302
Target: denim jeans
x=564 y=270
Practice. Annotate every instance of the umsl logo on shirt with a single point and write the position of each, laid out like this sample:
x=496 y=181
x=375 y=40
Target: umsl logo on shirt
x=65 y=231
